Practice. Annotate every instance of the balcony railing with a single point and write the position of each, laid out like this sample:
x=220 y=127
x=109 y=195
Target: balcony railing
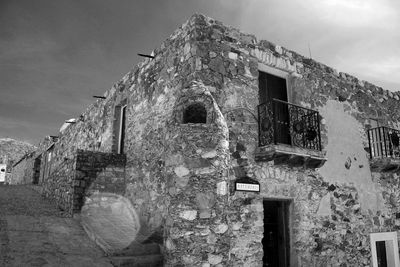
x=284 y=123
x=384 y=142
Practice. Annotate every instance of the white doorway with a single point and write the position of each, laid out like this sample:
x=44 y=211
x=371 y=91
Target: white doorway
x=384 y=249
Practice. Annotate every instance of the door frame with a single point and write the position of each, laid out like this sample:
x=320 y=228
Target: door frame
x=385 y=236
x=288 y=209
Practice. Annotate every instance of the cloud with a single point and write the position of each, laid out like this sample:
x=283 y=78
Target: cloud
x=24 y=130
x=355 y=13
x=383 y=71
x=359 y=37
x=54 y=55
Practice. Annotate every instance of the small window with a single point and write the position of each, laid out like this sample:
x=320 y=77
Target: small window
x=195 y=113
x=3 y=170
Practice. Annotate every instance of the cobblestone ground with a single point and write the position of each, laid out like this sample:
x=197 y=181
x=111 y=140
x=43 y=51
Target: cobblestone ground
x=33 y=232
x=24 y=200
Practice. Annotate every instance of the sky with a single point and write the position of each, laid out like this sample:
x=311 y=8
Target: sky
x=56 y=54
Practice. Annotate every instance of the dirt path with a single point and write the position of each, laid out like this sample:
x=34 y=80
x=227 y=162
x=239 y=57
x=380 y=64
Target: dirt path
x=33 y=232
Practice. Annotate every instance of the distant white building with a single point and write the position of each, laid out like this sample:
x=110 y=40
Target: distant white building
x=3 y=173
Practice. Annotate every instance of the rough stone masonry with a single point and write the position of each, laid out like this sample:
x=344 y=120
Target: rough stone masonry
x=180 y=176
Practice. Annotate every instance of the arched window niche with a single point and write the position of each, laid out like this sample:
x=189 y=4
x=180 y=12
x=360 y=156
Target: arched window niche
x=195 y=113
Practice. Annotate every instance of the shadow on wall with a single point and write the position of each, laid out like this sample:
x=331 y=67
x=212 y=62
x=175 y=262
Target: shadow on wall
x=98 y=172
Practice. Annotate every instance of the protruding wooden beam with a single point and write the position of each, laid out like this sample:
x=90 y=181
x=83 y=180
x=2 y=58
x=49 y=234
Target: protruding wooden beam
x=143 y=55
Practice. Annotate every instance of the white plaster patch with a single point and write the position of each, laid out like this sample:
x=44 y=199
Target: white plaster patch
x=232 y=55
x=209 y=154
x=222 y=188
x=205 y=232
x=237 y=226
x=181 y=171
x=247 y=72
x=220 y=229
x=324 y=208
x=186 y=49
x=224 y=144
x=189 y=215
x=214 y=259
x=278 y=49
x=344 y=141
x=206 y=170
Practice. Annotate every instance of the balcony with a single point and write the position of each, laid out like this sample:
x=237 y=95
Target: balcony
x=289 y=134
x=384 y=149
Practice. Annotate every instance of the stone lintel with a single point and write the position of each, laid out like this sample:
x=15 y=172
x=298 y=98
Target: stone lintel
x=290 y=155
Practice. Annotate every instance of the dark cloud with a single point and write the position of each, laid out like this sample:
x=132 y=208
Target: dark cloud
x=54 y=55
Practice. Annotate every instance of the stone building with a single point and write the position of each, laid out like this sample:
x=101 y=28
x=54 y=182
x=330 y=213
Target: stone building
x=238 y=152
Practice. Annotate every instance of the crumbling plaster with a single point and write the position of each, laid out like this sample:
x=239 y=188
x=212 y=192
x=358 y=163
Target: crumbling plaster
x=349 y=164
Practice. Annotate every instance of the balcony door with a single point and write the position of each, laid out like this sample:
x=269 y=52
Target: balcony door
x=274 y=87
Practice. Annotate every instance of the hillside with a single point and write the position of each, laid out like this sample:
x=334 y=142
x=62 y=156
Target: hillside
x=13 y=149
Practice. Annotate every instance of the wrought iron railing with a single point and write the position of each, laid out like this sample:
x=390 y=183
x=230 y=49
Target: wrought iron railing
x=384 y=142
x=285 y=123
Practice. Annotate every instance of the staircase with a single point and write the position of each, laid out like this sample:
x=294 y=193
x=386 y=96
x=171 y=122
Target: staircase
x=138 y=255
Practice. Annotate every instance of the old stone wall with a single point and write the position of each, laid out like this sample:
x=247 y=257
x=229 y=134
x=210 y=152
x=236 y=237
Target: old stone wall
x=195 y=166
x=334 y=208
x=57 y=177
x=80 y=175
x=97 y=172
x=150 y=91
x=22 y=170
x=179 y=176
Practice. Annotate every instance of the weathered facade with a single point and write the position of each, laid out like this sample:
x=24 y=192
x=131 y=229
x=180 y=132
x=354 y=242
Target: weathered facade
x=191 y=135
x=22 y=170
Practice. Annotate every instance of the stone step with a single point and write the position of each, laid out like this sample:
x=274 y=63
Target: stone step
x=139 y=250
x=155 y=260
